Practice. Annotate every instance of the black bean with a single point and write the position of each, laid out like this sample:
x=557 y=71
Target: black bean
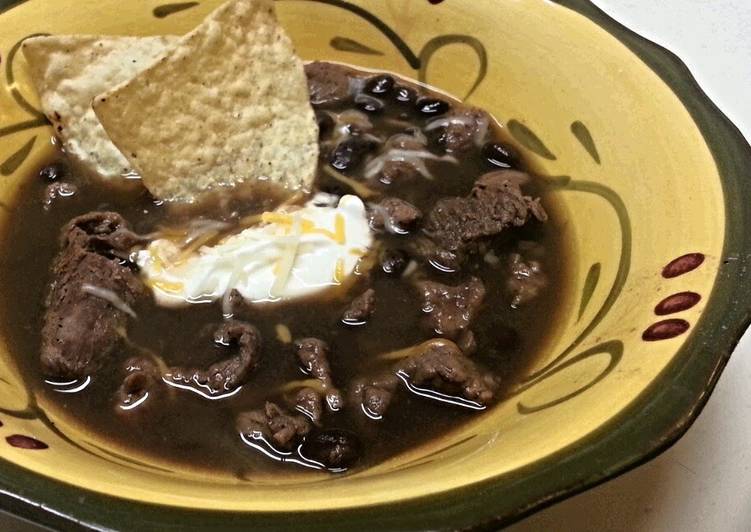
x=500 y=155
x=379 y=84
x=349 y=153
x=325 y=123
x=432 y=106
x=369 y=104
x=335 y=449
x=394 y=261
x=51 y=173
x=405 y=95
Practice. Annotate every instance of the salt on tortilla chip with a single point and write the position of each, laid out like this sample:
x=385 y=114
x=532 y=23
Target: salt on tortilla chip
x=227 y=104
x=69 y=71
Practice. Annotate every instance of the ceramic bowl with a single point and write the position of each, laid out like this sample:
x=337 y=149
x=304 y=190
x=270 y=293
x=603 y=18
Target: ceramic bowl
x=654 y=183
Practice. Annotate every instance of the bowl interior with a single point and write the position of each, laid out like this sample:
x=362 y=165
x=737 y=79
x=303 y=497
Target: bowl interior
x=639 y=187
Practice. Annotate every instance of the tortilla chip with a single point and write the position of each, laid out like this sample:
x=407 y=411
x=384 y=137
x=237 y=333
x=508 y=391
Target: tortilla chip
x=69 y=71
x=227 y=104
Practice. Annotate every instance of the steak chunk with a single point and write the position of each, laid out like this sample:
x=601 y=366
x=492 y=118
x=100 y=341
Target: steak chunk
x=90 y=295
x=526 y=280
x=442 y=367
x=276 y=426
x=495 y=203
x=141 y=377
x=450 y=309
x=360 y=309
x=462 y=129
x=374 y=395
x=394 y=215
x=335 y=449
x=327 y=83
x=313 y=355
x=309 y=402
x=226 y=375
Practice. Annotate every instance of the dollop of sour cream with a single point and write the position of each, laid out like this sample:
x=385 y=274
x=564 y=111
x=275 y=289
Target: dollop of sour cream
x=290 y=254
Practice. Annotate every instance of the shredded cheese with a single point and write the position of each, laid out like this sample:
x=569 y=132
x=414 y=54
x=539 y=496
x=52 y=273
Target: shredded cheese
x=283 y=334
x=359 y=189
x=339 y=271
x=286 y=262
x=340 y=237
x=289 y=253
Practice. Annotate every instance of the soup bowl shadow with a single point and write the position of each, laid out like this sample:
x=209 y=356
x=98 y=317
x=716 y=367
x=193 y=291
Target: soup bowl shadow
x=652 y=179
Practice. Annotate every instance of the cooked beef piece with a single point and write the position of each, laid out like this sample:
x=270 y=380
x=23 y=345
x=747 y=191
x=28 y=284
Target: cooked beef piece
x=393 y=261
x=411 y=139
x=313 y=356
x=58 y=189
x=526 y=279
x=394 y=215
x=278 y=427
x=397 y=172
x=495 y=203
x=106 y=233
x=81 y=329
x=442 y=367
x=350 y=122
x=374 y=395
x=309 y=402
x=327 y=83
x=141 y=377
x=360 y=309
x=462 y=129
x=467 y=342
x=440 y=258
x=335 y=449
x=395 y=169
x=492 y=187
x=491 y=179
x=450 y=309
x=226 y=375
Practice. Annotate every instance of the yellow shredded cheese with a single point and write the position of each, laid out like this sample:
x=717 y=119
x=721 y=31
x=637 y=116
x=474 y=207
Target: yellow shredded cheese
x=339 y=271
x=166 y=286
x=283 y=334
x=287 y=261
x=339 y=232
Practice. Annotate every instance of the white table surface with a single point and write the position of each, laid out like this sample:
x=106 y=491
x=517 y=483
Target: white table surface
x=703 y=483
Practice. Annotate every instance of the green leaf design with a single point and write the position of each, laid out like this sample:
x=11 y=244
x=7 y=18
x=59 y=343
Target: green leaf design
x=169 y=9
x=622 y=273
x=12 y=163
x=20 y=126
x=593 y=277
x=613 y=348
x=345 y=44
x=527 y=138
x=10 y=77
x=436 y=43
x=582 y=134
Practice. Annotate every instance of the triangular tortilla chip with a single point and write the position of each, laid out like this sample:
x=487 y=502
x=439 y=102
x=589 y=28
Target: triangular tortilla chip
x=228 y=104
x=69 y=71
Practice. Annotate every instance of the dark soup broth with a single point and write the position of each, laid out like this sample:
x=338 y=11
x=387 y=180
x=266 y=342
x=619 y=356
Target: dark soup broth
x=446 y=311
